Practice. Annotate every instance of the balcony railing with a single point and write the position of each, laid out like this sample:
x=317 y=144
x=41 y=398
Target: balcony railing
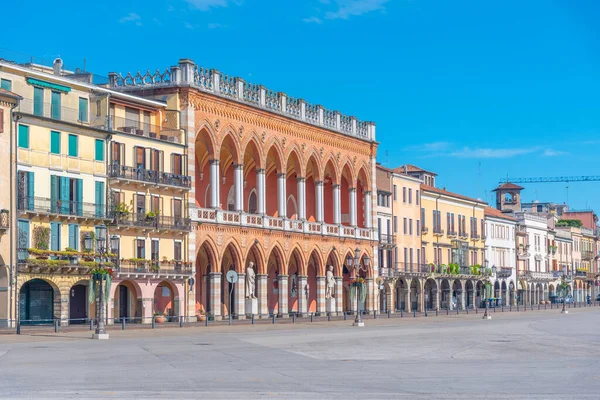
x=463 y=235
x=438 y=232
x=474 y=236
x=581 y=273
x=145 y=175
x=58 y=113
x=386 y=239
x=451 y=234
x=4 y=220
x=159 y=222
x=539 y=276
x=43 y=205
x=424 y=230
x=135 y=127
x=504 y=272
x=587 y=255
x=242 y=219
x=153 y=267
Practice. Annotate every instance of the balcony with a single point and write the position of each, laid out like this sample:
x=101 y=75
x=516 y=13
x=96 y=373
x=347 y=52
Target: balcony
x=504 y=272
x=245 y=220
x=451 y=234
x=4 y=220
x=424 y=230
x=59 y=262
x=587 y=255
x=475 y=236
x=536 y=276
x=438 y=232
x=126 y=173
x=386 y=240
x=463 y=235
x=135 y=127
x=149 y=268
x=156 y=223
x=45 y=206
x=57 y=113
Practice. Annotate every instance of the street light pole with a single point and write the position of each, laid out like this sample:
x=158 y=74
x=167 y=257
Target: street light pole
x=101 y=275
x=355 y=262
x=488 y=273
x=563 y=287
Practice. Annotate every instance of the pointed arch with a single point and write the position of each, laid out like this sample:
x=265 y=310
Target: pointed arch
x=333 y=258
x=274 y=155
x=363 y=178
x=331 y=170
x=297 y=254
x=256 y=253
x=209 y=248
x=293 y=163
x=347 y=173
x=236 y=253
x=205 y=137
x=277 y=252
x=312 y=168
x=252 y=156
x=315 y=255
x=231 y=146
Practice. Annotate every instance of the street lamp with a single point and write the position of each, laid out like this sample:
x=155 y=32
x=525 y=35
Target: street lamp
x=101 y=276
x=564 y=284
x=487 y=284
x=355 y=262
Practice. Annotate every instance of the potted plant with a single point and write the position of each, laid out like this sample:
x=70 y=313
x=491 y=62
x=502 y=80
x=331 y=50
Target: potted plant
x=121 y=211
x=159 y=318
x=151 y=215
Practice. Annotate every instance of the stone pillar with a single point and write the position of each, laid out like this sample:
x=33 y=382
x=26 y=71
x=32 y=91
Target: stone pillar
x=368 y=215
x=215 y=294
x=371 y=295
x=281 y=196
x=238 y=177
x=407 y=300
x=319 y=200
x=420 y=300
x=301 y=182
x=147 y=310
x=110 y=316
x=282 y=281
x=240 y=296
x=460 y=299
x=321 y=295
x=260 y=191
x=214 y=184
x=339 y=294
x=436 y=299
x=261 y=294
x=352 y=206
x=337 y=216
x=302 y=299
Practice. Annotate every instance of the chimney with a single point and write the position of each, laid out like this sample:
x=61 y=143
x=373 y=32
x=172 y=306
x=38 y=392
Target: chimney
x=404 y=169
x=57 y=66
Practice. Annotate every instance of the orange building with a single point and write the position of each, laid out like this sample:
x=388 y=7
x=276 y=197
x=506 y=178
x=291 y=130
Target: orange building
x=277 y=182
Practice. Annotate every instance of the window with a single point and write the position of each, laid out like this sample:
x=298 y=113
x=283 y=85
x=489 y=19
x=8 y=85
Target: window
x=117 y=153
x=74 y=236
x=140 y=251
x=55 y=107
x=23 y=136
x=99 y=189
x=177 y=210
x=410 y=227
x=395 y=224
x=177 y=251
x=418 y=227
x=140 y=157
x=55 y=236
x=156 y=160
x=418 y=256
x=38 y=101
x=23 y=234
x=54 y=142
x=99 y=150
x=73 y=146
x=405 y=223
x=140 y=204
x=98 y=107
x=154 y=256
x=395 y=193
x=409 y=196
x=435 y=227
x=83 y=109
x=404 y=194
x=155 y=204
x=66 y=195
x=177 y=164
x=412 y=259
x=405 y=256
x=423 y=218
x=6 y=84
x=417 y=198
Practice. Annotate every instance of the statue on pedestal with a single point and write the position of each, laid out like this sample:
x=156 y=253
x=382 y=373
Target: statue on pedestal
x=250 y=281
x=330 y=283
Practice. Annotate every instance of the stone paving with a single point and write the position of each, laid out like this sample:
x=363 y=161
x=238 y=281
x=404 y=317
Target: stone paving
x=534 y=355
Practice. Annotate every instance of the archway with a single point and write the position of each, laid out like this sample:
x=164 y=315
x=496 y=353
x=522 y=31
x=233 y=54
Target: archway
x=126 y=303
x=312 y=272
x=479 y=294
x=79 y=309
x=469 y=288
x=230 y=261
x=252 y=169
x=430 y=293
x=362 y=189
x=445 y=295
x=275 y=267
x=346 y=183
x=295 y=271
x=204 y=154
x=414 y=294
x=330 y=182
x=504 y=294
x=457 y=295
x=292 y=173
x=165 y=300
x=229 y=158
x=402 y=290
x=511 y=292
x=38 y=301
x=205 y=262
x=312 y=177
x=273 y=167
x=497 y=294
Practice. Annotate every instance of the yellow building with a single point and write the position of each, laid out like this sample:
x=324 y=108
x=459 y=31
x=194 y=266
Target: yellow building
x=77 y=142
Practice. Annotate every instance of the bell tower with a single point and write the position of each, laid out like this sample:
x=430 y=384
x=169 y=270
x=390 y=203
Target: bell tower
x=508 y=197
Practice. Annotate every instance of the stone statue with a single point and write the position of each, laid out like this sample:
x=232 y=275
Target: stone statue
x=250 y=281
x=330 y=283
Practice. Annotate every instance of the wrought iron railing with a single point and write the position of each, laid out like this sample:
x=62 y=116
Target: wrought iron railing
x=146 y=175
x=504 y=272
x=153 y=267
x=136 y=127
x=4 y=220
x=387 y=239
x=45 y=205
x=143 y=220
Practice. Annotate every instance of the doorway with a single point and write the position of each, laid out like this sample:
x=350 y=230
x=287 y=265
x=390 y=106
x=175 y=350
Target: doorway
x=78 y=305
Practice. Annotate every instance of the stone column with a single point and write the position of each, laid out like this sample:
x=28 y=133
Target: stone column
x=215 y=294
x=238 y=177
x=352 y=206
x=371 y=296
x=420 y=300
x=240 y=296
x=281 y=196
x=339 y=295
x=302 y=300
x=110 y=316
x=214 y=183
x=337 y=216
x=282 y=281
x=436 y=299
x=260 y=191
x=407 y=300
x=368 y=215
x=62 y=307
x=321 y=295
x=301 y=183
x=319 y=200
x=147 y=310
x=261 y=294
x=460 y=299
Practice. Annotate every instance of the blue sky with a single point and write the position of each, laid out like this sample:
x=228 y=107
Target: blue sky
x=474 y=90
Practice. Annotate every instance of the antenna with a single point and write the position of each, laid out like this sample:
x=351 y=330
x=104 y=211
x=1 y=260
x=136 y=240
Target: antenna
x=567 y=187
x=479 y=177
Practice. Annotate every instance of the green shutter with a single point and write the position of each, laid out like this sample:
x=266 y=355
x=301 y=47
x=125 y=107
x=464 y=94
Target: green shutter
x=54 y=142
x=99 y=150
x=79 y=194
x=53 y=193
x=23 y=240
x=99 y=199
x=83 y=109
x=54 y=236
x=6 y=84
x=30 y=190
x=73 y=236
x=73 y=146
x=38 y=101
x=55 y=106
x=23 y=136
x=64 y=195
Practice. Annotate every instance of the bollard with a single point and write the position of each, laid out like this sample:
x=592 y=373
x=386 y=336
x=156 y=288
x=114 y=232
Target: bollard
x=538 y=307
x=154 y=322
x=401 y=314
x=230 y=318
x=447 y=311
x=545 y=306
x=55 y=326
x=181 y=322
x=123 y=324
x=328 y=316
x=345 y=316
x=293 y=318
x=311 y=317
x=494 y=309
x=502 y=307
x=425 y=311
x=532 y=307
x=414 y=313
x=517 y=306
x=374 y=314
x=273 y=318
x=436 y=312
x=510 y=308
x=467 y=309
x=390 y=313
x=456 y=310
x=18 y=327
x=91 y=324
x=475 y=310
x=252 y=317
x=206 y=321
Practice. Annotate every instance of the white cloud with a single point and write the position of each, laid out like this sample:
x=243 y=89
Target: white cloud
x=133 y=18
x=354 y=8
x=467 y=152
x=216 y=26
x=312 y=20
x=554 y=153
x=187 y=25
x=205 y=5
x=429 y=147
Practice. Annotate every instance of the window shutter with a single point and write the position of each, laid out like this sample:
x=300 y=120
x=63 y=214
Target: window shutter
x=30 y=190
x=1 y=121
x=79 y=194
x=54 y=236
x=184 y=165
x=122 y=153
x=72 y=236
x=23 y=136
x=99 y=187
x=161 y=160
x=64 y=194
x=99 y=150
x=53 y=192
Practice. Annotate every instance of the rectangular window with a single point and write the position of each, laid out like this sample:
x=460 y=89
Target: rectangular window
x=140 y=251
x=140 y=157
x=435 y=227
x=55 y=236
x=423 y=224
x=395 y=193
x=404 y=194
x=410 y=227
x=177 y=251
x=155 y=204
x=99 y=150
x=409 y=196
x=55 y=107
x=73 y=146
x=99 y=188
x=23 y=239
x=54 y=142
x=395 y=224
x=405 y=256
x=6 y=84
x=417 y=198
x=418 y=227
x=177 y=210
x=418 y=256
x=38 y=101
x=405 y=226
x=117 y=153
x=177 y=167
x=98 y=108
x=74 y=236
x=412 y=259
x=83 y=109
x=23 y=136
x=155 y=251
x=140 y=204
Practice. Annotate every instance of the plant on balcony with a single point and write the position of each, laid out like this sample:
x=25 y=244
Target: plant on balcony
x=154 y=268
x=431 y=267
x=443 y=269
x=152 y=215
x=476 y=269
x=41 y=237
x=454 y=268
x=575 y=223
x=46 y=263
x=40 y=254
x=122 y=210
x=553 y=249
x=137 y=261
x=96 y=264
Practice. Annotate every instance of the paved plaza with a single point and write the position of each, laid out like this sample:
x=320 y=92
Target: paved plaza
x=532 y=355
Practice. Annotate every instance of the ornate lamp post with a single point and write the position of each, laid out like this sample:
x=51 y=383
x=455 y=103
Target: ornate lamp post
x=101 y=279
x=564 y=287
x=358 y=285
x=487 y=286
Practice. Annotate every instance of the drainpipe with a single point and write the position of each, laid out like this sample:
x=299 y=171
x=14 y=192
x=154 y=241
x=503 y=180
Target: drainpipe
x=12 y=235
x=437 y=237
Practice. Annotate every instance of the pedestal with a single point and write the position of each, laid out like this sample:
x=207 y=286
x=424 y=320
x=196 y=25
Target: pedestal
x=100 y=336
x=564 y=312
x=251 y=306
x=487 y=317
x=359 y=324
x=330 y=305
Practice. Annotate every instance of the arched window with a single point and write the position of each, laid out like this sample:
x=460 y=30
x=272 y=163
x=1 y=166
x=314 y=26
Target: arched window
x=231 y=199
x=252 y=207
x=292 y=209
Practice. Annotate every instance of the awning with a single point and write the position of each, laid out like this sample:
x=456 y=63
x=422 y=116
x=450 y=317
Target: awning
x=49 y=85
